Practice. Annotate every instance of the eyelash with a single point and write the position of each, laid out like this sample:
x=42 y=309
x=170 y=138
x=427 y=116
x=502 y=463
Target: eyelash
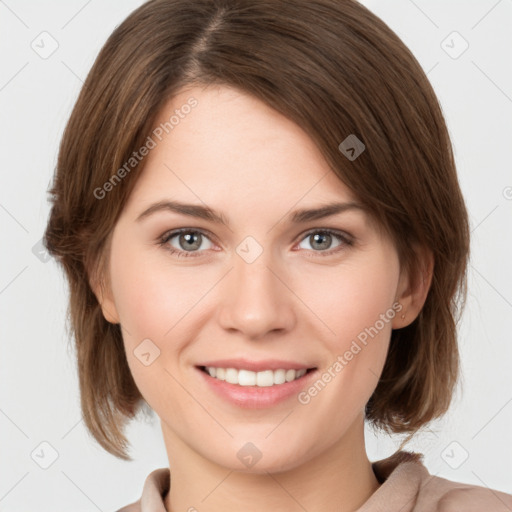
x=166 y=237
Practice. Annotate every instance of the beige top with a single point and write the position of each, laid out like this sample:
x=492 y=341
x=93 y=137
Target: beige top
x=406 y=486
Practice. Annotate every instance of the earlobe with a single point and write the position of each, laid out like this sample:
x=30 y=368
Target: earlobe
x=106 y=302
x=109 y=312
x=413 y=288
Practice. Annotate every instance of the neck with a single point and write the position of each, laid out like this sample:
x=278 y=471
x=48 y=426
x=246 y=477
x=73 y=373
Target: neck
x=338 y=478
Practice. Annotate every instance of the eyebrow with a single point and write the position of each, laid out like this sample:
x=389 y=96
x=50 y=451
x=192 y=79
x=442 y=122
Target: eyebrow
x=206 y=213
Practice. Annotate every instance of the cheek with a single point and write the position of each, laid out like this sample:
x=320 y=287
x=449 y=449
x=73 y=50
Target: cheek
x=137 y=298
x=352 y=297
x=151 y=306
x=152 y=298
x=356 y=309
x=157 y=303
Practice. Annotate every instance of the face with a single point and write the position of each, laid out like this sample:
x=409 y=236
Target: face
x=265 y=292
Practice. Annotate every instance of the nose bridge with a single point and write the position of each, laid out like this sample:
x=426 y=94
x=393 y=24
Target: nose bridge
x=251 y=261
x=255 y=300
x=252 y=271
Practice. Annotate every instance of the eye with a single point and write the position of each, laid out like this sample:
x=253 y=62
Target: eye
x=321 y=239
x=189 y=241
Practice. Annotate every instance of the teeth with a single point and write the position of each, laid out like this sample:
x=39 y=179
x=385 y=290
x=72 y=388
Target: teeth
x=265 y=378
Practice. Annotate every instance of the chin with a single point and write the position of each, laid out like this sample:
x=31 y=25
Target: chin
x=254 y=457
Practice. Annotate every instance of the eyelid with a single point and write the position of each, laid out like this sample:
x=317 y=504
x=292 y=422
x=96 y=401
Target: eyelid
x=338 y=232
x=165 y=238
x=173 y=232
x=346 y=240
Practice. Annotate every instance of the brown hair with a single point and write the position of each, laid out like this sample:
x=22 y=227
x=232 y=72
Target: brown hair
x=335 y=69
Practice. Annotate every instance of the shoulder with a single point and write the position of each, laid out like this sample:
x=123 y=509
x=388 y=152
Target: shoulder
x=155 y=488
x=453 y=496
x=407 y=482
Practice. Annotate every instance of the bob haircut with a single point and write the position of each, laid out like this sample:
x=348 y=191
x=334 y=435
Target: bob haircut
x=333 y=68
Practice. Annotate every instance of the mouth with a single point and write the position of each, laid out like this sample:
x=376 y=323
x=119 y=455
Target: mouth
x=263 y=379
x=252 y=384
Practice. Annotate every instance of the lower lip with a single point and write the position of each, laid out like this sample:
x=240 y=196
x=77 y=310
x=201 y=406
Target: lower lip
x=255 y=397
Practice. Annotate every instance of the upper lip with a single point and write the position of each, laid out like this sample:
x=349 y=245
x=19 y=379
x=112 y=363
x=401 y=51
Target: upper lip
x=256 y=366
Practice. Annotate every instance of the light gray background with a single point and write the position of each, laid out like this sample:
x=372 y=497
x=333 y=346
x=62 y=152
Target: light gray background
x=39 y=394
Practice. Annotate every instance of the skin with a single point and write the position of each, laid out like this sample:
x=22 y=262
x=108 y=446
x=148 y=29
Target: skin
x=240 y=157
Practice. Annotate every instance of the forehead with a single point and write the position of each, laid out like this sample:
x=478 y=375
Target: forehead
x=231 y=145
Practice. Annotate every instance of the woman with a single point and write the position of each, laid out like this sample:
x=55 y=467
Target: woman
x=257 y=209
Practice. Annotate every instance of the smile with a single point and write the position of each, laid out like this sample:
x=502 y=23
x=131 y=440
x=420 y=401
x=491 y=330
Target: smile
x=265 y=378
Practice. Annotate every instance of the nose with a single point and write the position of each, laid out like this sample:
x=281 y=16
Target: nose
x=255 y=299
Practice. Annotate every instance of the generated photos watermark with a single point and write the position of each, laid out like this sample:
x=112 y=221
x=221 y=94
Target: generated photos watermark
x=137 y=156
x=304 y=397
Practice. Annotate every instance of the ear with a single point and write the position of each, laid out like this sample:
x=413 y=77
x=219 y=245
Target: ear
x=413 y=287
x=105 y=298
